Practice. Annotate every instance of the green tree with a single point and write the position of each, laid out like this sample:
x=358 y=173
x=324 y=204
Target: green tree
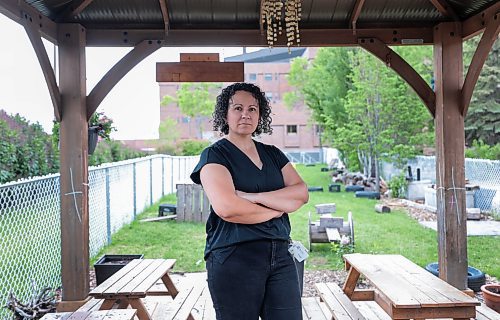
x=322 y=86
x=196 y=100
x=482 y=121
x=386 y=119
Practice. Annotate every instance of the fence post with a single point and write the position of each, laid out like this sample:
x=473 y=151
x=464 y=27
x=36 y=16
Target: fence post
x=134 y=188
x=172 y=174
x=150 y=182
x=162 y=176
x=108 y=207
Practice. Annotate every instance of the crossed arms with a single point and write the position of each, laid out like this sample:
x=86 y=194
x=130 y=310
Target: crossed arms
x=250 y=208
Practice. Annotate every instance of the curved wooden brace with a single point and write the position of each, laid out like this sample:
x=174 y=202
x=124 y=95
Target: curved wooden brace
x=48 y=72
x=483 y=49
x=401 y=67
x=118 y=71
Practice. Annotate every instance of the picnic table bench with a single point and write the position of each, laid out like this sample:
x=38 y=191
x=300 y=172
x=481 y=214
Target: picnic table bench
x=116 y=314
x=404 y=290
x=137 y=280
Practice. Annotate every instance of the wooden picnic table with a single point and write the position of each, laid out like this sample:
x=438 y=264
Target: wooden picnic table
x=116 y=314
x=405 y=290
x=133 y=282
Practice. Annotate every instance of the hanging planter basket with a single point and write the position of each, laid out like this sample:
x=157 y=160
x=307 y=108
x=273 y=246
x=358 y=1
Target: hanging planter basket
x=93 y=135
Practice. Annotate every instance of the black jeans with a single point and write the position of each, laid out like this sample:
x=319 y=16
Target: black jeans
x=253 y=279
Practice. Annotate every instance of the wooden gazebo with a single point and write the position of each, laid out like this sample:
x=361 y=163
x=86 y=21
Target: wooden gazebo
x=148 y=25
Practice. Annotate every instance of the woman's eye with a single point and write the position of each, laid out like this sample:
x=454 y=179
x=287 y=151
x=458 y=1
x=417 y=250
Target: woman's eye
x=253 y=109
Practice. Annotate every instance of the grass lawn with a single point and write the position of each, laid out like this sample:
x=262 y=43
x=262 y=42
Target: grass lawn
x=395 y=232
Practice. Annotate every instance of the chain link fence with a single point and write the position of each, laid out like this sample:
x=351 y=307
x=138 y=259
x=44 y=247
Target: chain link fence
x=484 y=173
x=30 y=244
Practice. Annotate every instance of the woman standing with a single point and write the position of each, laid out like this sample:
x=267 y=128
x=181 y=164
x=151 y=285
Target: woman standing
x=251 y=187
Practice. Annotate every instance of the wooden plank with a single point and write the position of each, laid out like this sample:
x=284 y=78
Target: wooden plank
x=92 y=304
x=333 y=234
x=57 y=316
x=206 y=208
x=143 y=281
x=338 y=311
x=363 y=295
x=344 y=300
x=188 y=202
x=185 y=310
x=352 y=278
x=312 y=309
x=327 y=221
x=485 y=313
x=195 y=71
x=132 y=271
x=197 y=194
x=371 y=310
x=97 y=291
x=214 y=57
x=181 y=202
x=438 y=290
x=142 y=312
x=169 y=311
x=154 y=219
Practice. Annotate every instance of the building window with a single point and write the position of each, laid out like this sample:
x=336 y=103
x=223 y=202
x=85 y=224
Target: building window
x=269 y=95
x=268 y=76
x=291 y=129
x=185 y=120
x=252 y=77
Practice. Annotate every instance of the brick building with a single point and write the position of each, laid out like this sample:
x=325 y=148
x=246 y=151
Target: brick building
x=293 y=129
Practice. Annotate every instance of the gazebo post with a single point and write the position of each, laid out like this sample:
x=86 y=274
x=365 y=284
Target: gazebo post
x=74 y=170
x=450 y=159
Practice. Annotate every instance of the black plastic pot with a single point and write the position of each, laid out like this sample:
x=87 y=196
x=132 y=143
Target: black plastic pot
x=108 y=264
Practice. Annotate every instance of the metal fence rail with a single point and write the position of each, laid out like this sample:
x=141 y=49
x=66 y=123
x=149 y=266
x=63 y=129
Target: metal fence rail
x=30 y=245
x=484 y=173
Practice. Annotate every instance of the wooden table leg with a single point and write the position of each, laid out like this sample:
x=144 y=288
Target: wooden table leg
x=107 y=304
x=350 y=282
x=167 y=281
x=142 y=312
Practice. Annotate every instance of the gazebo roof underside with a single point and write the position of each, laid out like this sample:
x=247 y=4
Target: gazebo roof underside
x=237 y=22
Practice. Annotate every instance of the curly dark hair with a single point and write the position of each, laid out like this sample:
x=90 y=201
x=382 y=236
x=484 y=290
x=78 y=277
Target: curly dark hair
x=220 y=113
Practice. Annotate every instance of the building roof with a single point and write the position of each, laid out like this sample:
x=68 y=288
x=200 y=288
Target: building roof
x=268 y=55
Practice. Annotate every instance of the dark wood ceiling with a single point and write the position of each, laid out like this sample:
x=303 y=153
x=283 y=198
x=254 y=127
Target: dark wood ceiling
x=237 y=22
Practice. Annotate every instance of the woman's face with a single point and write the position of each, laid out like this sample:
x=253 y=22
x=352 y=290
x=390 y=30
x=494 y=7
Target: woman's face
x=243 y=113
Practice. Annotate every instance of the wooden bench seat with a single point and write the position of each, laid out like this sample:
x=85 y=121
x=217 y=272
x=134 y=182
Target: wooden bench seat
x=115 y=314
x=314 y=309
x=340 y=306
x=182 y=305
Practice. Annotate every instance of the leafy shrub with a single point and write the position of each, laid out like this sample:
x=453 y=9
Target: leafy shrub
x=192 y=147
x=481 y=150
x=399 y=185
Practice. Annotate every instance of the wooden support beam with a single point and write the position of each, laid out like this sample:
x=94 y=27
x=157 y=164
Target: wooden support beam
x=214 y=57
x=73 y=9
x=34 y=35
x=445 y=9
x=74 y=166
x=20 y=10
x=195 y=71
x=253 y=38
x=118 y=71
x=356 y=11
x=164 y=13
x=476 y=24
x=450 y=161
x=401 y=67
x=489 y=37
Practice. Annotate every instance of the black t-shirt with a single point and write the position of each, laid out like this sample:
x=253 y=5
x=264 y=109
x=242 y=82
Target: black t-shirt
x=247 y=177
